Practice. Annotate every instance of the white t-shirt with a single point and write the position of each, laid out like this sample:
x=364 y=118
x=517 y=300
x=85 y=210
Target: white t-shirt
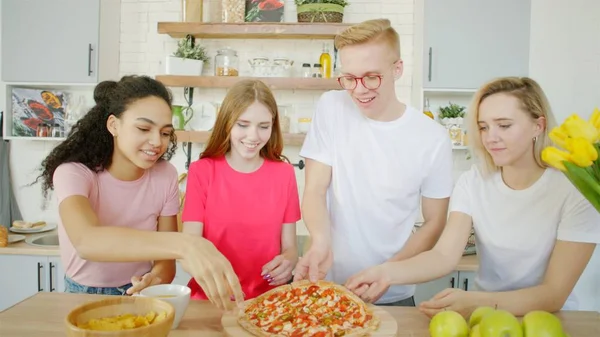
x=515 y=230
x=379 y=172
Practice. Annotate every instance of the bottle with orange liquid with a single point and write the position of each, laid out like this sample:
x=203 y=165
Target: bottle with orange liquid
x=325 y=61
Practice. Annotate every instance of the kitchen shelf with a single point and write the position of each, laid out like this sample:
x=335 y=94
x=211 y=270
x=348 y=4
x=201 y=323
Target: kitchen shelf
x=275 y=83
x=252 y=30
x=292 y=139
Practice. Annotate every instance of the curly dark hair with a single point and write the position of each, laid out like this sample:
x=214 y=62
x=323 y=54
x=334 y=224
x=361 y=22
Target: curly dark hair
x=89 y=142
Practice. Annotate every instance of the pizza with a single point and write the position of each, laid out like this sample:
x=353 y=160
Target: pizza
x=304 y=308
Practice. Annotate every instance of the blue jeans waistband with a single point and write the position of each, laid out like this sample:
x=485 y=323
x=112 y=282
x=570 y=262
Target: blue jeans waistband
x=74 y=287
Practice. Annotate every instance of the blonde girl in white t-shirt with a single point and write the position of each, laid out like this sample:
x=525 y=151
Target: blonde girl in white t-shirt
x=535 y=232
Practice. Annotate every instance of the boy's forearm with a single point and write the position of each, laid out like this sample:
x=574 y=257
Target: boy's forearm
x=422 y=240
x=316 y=218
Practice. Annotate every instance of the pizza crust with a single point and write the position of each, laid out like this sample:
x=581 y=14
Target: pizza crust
x=371 y=326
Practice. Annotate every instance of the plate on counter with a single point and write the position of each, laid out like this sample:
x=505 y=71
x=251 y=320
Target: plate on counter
x=49 y=226
x=14 y=238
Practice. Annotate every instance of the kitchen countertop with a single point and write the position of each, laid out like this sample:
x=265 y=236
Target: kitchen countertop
x=23 y=248
x=467 y=262
x=44 y=314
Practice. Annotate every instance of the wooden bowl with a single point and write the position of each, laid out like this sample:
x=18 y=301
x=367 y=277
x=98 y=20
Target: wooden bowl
x=119 y=305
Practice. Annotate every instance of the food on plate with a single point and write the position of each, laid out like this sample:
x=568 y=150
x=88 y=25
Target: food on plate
x=320 y=309
x=20 y=224
x=3 y=236
x=122 y=322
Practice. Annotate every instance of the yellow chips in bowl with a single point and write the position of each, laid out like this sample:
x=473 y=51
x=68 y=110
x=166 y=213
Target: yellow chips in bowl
x=122 y=322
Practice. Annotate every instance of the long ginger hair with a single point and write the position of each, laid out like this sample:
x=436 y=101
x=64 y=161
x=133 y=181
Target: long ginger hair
x=239 y=97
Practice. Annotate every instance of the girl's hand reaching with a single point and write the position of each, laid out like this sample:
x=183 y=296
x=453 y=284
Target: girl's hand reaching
x=212 y=271
x=139 y=283
x=278 y=271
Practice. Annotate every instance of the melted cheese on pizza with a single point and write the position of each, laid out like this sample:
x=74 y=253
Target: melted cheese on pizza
x=307 y=311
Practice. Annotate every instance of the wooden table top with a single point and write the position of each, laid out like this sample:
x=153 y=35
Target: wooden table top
x=43 y=315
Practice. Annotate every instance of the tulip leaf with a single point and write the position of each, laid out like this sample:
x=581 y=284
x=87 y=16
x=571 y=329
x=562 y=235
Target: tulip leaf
x=585 y=182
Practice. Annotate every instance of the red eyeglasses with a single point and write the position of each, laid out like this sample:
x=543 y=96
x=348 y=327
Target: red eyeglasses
x=370 y=82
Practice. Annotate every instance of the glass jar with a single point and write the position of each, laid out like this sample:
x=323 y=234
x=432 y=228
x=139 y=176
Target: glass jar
x=233 y=11
x=306 y=71
x=43 y=130
x=226 y=63
x=317 y=71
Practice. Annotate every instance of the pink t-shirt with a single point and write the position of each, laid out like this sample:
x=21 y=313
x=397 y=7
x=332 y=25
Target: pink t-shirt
x=243 y=214
x=135 y=204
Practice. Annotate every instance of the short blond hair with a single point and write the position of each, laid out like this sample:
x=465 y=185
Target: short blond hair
x=533 y=101
x=377 y=30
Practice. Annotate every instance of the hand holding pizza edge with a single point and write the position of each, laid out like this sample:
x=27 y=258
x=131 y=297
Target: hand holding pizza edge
x=370 y=284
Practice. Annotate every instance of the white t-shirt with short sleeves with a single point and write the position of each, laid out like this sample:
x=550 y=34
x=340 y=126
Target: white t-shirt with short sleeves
x=380 y=170
x=515 y=230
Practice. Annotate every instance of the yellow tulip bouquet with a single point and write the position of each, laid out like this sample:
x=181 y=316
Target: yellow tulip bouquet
x=576 y=156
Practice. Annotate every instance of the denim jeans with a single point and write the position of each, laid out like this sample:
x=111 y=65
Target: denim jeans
x=74 y=287
x=407 y=302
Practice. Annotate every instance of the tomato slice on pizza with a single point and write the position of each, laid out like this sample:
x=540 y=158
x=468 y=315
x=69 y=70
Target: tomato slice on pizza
x=321 y=309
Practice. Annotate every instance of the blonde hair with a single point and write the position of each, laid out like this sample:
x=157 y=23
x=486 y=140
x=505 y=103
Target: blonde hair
x=377 y=30
x=239 y=97
x=533 y=101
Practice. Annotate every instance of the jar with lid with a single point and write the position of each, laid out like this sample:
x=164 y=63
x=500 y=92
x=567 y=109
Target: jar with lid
x=226 y=63
x=43 y=130
x=233 y=11
x=306 y=71
x=317 y=71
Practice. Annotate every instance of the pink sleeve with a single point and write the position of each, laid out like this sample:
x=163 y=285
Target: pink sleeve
x=195 y=192
x=171 y=206
x=72 y=179
x=292 y=209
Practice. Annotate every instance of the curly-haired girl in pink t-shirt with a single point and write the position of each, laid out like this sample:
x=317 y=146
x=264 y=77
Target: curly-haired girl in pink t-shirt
x=118 y=198
x=242 y=194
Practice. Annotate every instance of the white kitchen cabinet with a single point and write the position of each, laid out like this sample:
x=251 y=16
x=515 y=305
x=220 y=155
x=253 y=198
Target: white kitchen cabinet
x=457 y=279
x=59 y=41
x=467 y=43
x=25 y=275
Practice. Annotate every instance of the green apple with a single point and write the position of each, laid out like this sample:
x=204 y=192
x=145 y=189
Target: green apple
x=542 y=324
x=500 y=323
x=478 y=314
x=475 y=332
x=448 y=324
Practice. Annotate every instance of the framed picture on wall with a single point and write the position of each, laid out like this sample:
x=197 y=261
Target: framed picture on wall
x=264 y=10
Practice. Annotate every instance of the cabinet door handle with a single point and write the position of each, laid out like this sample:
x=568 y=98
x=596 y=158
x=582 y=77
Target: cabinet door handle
x=90 y=49
x=466 y=284
x=452 y=282
x=430 y=57
x=39 y=272
x=51 y=268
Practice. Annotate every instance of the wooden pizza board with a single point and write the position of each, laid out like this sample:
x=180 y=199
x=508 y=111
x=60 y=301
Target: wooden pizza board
x=387 y=328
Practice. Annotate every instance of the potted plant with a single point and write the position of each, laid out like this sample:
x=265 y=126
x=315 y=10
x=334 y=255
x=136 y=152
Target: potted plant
x=320 y=10
x=452 y=114
x=187 y=59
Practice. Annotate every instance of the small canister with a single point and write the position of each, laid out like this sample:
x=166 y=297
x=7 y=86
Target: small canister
x=226 y=63
x=43 y=130
x=306 y=71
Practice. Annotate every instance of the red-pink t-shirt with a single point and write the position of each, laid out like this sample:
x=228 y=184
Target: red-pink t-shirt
x=135 y=204
x=243 y=214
